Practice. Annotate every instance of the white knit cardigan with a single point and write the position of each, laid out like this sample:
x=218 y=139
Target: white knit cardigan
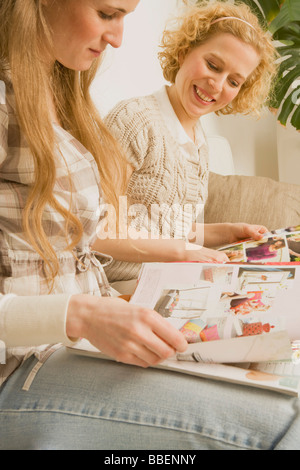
x=169 y=186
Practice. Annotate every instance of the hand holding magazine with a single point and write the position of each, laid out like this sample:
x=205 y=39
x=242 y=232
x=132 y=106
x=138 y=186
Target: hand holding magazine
x=241 y=319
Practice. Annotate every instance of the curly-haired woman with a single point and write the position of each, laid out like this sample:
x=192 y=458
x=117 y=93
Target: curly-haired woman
x=217 y=59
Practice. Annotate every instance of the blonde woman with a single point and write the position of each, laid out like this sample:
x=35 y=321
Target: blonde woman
x=217 y=59
x=55 y=173
x=52 y=187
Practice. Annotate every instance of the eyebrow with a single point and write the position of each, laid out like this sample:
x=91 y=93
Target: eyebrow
x=216 y=56
x=121 y=10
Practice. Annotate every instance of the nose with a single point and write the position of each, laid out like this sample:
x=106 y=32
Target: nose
x=216 y=83
x=114 y=34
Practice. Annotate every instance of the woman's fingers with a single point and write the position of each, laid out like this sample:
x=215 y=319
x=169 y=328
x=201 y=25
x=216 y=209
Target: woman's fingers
x=155 y=339
x=168 y=339
x=129 y=333
x=141 y=355
x=205 y=255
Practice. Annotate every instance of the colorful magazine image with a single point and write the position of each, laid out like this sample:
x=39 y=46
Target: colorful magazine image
x=240 y=319
x=270 y=249
x=293 y=241
x=279 y=246
x=209 y=311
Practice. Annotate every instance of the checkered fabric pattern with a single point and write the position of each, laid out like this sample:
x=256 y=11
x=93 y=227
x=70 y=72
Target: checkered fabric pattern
x=21 y=268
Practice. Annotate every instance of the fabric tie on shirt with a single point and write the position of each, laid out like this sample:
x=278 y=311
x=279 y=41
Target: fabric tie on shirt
x=89 y=257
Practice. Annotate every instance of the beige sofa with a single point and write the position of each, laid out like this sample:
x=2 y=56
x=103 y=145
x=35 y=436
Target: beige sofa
x=252 y=199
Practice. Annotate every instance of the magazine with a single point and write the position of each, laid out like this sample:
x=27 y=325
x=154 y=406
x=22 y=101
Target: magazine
x=278 y=246
x=241 y=320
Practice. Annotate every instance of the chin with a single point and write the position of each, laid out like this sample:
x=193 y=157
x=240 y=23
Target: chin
x=78 y=67
x=83 y=66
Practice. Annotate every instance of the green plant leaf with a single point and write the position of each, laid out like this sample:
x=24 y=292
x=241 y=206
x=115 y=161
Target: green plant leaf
x=271 y=8
x=289 y=12
x=295 y=120
x=284 y=84
x=286 y=65
x=257 y=11
x=290 y=50
x=282 y=18
x=291 y=32
x=287 y=107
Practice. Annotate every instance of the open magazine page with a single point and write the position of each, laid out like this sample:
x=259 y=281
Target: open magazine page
x=229 y=313
x=241 y=319
x=243 y=315
x=279 y=246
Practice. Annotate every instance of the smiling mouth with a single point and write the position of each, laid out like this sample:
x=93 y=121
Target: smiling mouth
x=203 y=96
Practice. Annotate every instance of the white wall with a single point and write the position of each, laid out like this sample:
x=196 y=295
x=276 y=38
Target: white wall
x=134 y=70
x=253 y=142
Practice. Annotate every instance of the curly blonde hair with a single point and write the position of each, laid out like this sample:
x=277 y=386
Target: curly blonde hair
x=195 y=27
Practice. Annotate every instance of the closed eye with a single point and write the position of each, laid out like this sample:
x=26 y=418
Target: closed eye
x=234 y=83
x=212 y=66
x=215 y=68
x=106 y=17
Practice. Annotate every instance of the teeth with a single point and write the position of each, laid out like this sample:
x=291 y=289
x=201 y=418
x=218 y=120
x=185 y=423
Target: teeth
x=202 y=96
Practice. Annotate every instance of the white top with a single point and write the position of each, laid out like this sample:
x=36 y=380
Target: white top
x=189 y=148
x=170 y=177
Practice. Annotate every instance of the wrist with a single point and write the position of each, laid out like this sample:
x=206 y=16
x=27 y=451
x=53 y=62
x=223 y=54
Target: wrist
x=173 y=250
x=189 y=252
x=77 y=315
x=230 y=233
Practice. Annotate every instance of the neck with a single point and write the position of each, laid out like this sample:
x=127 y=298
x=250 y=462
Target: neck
x=186 y=121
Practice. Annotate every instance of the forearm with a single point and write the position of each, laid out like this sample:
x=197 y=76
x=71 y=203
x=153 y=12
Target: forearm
x=218 y=234
x=212 y=235
x=33 y=320
x=143 y=251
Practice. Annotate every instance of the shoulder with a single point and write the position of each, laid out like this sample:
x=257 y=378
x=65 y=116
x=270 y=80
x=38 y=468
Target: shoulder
x=138 y=125
x=130 y=117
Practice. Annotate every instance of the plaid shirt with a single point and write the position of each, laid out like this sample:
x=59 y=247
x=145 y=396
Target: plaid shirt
x=21 y=268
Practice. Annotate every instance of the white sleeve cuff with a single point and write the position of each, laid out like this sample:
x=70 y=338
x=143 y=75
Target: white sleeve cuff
x=34 y=320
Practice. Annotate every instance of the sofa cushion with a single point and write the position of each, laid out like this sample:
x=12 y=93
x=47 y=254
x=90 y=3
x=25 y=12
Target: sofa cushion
x=252 y=199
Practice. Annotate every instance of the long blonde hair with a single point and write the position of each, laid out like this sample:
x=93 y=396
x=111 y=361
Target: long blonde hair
x=23 y=30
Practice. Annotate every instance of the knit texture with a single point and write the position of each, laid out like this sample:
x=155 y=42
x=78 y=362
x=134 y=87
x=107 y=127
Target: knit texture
x=165 y=184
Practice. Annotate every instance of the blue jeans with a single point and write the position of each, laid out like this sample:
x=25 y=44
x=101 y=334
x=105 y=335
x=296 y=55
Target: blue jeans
x=84 y=403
